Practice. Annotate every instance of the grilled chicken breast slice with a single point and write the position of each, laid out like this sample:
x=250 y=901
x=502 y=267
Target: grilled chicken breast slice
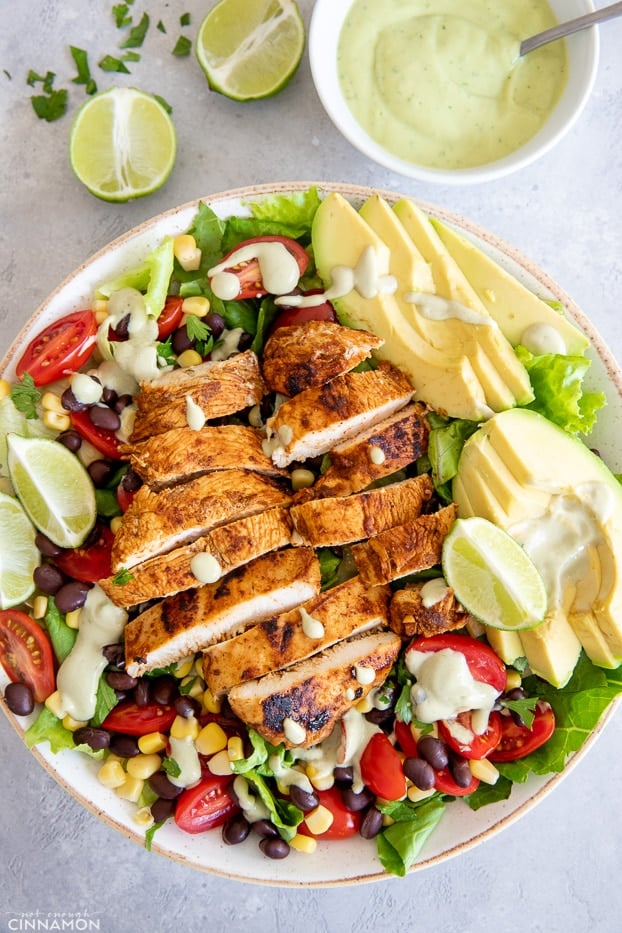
x=230 y=546
x=158 y=522
x=404 y=549
x=190 y=621
x=412 y=615
x=344 y=610
x=377 y=452
x=218 y=389
x=181 y=453
x=301 y=705
x=332 y=522
x=301 y=356
x=316 y=420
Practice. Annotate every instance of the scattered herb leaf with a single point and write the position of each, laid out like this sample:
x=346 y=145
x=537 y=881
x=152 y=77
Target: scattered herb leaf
x=81 y=59
x=163 y=103
x=110 y=63
x=165 y=351
x=196 y=328
x=25 y=396
x=150 y=833
x=121 y=14
x=184 y=19
x=137 y=34
x=182 y=47
x=122 y=577
x=106 y=700
x=160 y=25
x=526 y=709
x=170 y=766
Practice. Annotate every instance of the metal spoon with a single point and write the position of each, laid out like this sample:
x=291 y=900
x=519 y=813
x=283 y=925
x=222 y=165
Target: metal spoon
x=566 y=29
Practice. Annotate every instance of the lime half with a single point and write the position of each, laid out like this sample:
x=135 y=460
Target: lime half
x=54 y=488
x=19 y=555
x=250 y=49
x=493 y=576
x=122 y=144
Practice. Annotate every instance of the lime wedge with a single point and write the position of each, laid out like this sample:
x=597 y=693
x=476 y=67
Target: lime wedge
x=122 y=144
x=19 y=555
x=492 y=576
x=54 y=488
x=250 y=49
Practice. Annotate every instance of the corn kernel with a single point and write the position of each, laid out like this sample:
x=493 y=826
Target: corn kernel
x=56 y=422
x=198 y=666
x=111 y=774
x=306 y=844
x=302 y=479
x=211 y=739
x=254 y=417
x=189 y=358
x=319 y=820
x=72 y=724
x=475 y=628
x=100 y=306
x=364 y=705
x=220 y=763
x=116 y=523
x=195 y=306
x=211 y=704
x=185 y=727
x=235 y=748
x=484 y=770
x=50 y=401
x=39 y=607
x=131 y=789
x=53 y=703
x=320 y=779
x=143 y=818
x=143 y=766
x=193 y=685
x=184 y=666
x=187 y=253
x=152 y=742
x=5 y=388
x=514 y=679
x=73 y=618
x=414 y=794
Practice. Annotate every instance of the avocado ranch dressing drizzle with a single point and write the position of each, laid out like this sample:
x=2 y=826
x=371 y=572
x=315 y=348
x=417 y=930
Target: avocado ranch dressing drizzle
x=440 y=83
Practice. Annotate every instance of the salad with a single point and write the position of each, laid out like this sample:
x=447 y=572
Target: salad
x=420 y=706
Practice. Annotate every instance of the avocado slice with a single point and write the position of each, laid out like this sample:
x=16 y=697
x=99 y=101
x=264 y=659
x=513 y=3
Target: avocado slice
x=513 y=306
x=559 y=500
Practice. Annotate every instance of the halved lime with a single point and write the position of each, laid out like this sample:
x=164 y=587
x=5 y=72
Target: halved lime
x=19 y=555
x=250 y=49
x=122 y=144
x=493 y=576
x=54 y=488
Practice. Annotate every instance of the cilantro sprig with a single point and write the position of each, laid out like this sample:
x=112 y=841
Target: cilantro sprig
x=26 y=396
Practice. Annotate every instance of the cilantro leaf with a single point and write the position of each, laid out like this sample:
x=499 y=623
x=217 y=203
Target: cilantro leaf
x=525 y=708
x=165 y=351
x=110 y=63
x=121 y=14
x=150 y=833
x=122 y=577
x=163 y=103
x=25 y=396
x=80 y=57
x=170 y=766
x=160 y=25
x=106 y=700
x=196 y=328
x=184 y=19
x=137 y=34
x=50 y=107
x=182 y=47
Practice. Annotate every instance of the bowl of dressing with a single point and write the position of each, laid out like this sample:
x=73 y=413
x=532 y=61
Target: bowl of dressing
x=437 y=90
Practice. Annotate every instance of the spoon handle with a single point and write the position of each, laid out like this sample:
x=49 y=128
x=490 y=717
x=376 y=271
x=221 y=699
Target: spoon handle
x=573 y=25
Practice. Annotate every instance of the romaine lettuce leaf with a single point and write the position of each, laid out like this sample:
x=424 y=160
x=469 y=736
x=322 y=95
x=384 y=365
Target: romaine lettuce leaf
x=401 y=842
x=152 y=277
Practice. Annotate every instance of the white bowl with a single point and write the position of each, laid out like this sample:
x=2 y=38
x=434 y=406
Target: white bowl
x=583 y=50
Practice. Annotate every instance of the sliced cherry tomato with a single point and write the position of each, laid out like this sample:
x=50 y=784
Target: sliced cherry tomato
x=170 y=316
x=88 y=564
x=483 y=663
x=248 y=272
x=60 y=349
x=26 y=653
x=478 y=746
x=519 y=741
x=290 y=316
x=405 y=739
x=345 y=823
x=381 y=768
x=124 y=497
x=130 y=719
x=445 y=784
x=207 y=805
x=102 y=439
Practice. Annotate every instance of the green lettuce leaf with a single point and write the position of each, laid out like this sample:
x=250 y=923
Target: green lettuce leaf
x=284 y=815
x=400 y=844
x=49 y=728
x=152 y=277
x=61 y=635
x=447 y=438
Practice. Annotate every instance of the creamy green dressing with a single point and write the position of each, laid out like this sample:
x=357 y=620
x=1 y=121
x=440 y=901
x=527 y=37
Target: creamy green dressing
x=439 y=82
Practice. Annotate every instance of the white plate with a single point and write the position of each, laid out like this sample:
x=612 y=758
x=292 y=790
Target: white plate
x=350 y=861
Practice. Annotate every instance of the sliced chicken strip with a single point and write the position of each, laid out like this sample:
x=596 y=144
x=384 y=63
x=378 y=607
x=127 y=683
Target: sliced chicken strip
x=412 y=613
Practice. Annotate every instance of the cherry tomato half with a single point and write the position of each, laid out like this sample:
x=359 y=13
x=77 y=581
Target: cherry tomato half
x=483 y=663
x=478 y=746
x=170 y=316
x=124 y=497
x=207 y=805
x=26 y=653
x=519 y=741
x=381 y=768
x=445 y=784
x=345 y=823
x=249 y=272
x=60 y=349
x=88 y=564
x=130 y=719
x=102 y=439
x=405 y=739
x=290 y=316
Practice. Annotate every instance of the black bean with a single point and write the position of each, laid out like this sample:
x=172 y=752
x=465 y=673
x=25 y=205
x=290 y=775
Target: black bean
x=181 y=341
x=245 y=341
x=380 y=717
x=419 y=772
x=109 y=397
x=72 y=596
x=103 y=417
x=371 y=824
x=125 y=746
x=122 y=402
x=235 y=830
x=48 y=579
x=163 y=787
x=516 y=694
x=142 y=692
x=122 y=329
x=265 y=829
x=164 y=690
x=460 y=771
x=19 y=699
x=304 y=799
x=433 y=751
x=71 y=440
x=187 y=706
x=274 y=848
x=131 y=481
x=162 y=809
x=120 y=680
x=100 y=471
x=343 y=776
x=356 y=801
x=70 y=402
x=47 y=547
x=94 y=738
x=216 y=324
x=115 y=655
